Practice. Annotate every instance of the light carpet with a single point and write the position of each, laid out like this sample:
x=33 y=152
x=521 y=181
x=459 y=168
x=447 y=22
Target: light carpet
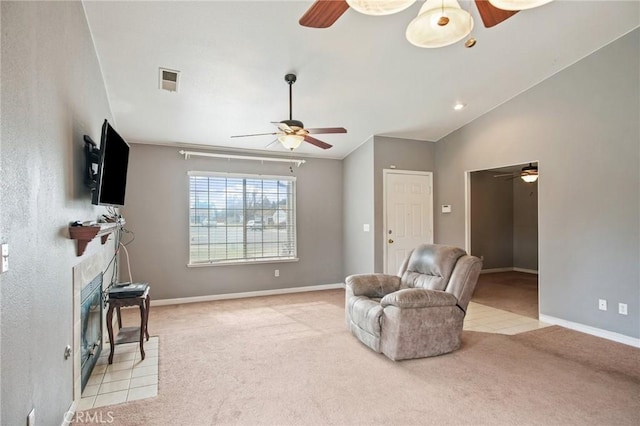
x=289 y=360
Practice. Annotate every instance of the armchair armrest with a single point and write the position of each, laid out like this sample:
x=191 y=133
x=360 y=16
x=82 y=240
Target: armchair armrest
x=373 y=285
x=418 y=298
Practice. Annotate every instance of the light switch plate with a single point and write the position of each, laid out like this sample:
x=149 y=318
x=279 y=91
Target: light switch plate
x=366 y=227
x=446 y=208
x=4 y=255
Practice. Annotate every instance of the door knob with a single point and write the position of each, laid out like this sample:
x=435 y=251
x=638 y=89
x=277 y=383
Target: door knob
x=390 y=241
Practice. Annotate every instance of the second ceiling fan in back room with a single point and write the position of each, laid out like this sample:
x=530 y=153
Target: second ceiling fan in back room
x=438 y=24
x=291 y=133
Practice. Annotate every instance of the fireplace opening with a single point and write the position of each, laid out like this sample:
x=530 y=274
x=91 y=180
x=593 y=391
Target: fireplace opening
x=91 y=320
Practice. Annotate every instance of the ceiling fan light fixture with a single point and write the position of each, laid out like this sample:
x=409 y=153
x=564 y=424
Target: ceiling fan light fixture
x=529 y=173
x=379 y=7
x=424 y=30
x=518 y=4
x=291 y=142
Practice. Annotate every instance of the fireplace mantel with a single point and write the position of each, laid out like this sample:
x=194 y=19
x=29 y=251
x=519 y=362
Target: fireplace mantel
x=85 y=234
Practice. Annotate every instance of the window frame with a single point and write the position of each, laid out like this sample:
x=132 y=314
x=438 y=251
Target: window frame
x=244 y=260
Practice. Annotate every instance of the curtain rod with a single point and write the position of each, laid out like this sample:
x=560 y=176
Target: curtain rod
x=187 y=154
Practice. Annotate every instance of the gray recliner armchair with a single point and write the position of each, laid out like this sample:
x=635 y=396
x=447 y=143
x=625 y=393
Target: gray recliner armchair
x=418 y=313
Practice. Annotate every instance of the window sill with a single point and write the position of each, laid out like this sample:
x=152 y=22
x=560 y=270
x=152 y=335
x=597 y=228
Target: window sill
x=243 y=262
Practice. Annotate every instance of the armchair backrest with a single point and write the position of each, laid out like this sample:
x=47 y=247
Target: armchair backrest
x=429 y=266
x=440 y=267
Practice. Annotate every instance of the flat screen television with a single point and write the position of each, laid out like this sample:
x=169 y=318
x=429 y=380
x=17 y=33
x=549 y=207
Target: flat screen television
x=111 y=179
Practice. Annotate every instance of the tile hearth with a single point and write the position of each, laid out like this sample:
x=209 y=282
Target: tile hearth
x=129 y=378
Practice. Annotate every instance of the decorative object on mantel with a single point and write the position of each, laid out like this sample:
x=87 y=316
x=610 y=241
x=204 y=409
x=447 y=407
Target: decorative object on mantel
x=83 y=234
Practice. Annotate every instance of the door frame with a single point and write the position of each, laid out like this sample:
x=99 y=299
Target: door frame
x=467 y=203
x=385 y=173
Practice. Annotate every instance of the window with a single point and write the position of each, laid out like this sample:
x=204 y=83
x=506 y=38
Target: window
x=241 y=218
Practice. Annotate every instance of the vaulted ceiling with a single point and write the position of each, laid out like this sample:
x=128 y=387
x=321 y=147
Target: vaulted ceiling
x=360 y=74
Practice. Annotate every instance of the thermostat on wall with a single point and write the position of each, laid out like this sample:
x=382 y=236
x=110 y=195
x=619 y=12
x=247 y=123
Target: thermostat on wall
x=446 y=208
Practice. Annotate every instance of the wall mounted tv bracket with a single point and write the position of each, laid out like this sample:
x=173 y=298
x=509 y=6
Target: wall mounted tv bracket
x=92 y=156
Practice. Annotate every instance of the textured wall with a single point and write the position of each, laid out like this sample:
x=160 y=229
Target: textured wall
x=492 y=219
x=52 y=94
x=358 y=210
x=157 y=211
x=582 y=127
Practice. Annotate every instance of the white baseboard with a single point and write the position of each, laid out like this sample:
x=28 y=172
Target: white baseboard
x=181 y=300
x=605 y=334
x=509 y=269
x=492 y=270
x=68 y=416
x=526 y=271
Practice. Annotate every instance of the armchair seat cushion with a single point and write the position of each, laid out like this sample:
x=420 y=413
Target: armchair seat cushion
x=418 y=298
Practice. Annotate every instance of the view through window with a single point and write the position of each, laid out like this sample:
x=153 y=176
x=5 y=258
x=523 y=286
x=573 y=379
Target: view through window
x=240 y=218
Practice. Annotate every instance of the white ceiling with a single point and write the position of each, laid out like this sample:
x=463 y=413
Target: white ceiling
x=361 y=73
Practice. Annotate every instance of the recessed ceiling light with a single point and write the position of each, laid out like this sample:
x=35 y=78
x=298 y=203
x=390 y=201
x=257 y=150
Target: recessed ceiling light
x=459 y=106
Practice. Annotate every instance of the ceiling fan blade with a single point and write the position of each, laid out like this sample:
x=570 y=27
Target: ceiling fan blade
x=323 y=13
x=285 y=128
x=271 y=143
x=316 y=142
x=505 y=175
x=320 y=130
x=491 y=15
x=254 y=134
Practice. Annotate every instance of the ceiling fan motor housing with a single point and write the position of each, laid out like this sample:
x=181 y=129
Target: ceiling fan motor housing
x=293 y=123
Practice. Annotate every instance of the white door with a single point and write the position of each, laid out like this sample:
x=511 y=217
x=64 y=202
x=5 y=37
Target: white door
x=408 y=214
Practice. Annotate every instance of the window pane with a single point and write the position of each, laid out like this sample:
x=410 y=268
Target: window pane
x=236 y=218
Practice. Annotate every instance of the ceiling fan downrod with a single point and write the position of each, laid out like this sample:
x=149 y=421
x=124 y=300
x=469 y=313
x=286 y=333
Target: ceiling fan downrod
x=290 y=79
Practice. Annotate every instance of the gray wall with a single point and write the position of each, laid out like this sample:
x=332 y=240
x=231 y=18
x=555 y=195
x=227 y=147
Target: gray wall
x=582 y=127
x=492 y=219
x=157 y=211
x=358 y=210
x=525 y=224
x=405 y=154
x=52 y=94
x=364 y=195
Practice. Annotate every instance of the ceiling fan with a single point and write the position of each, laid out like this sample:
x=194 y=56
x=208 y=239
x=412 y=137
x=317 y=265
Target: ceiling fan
x=323 y=13
x=528 y=174
x=291 y=133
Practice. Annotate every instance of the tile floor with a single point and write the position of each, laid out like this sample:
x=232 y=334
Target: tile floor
x=127 y=379
x=491 y=320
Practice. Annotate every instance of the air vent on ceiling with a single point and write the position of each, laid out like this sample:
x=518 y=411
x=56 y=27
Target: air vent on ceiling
x=169 y=79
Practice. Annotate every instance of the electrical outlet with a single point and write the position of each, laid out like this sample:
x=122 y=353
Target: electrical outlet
x=482 y=258
x=276 y=273
x=31 y=418
x=622 y=308
x=602 y=304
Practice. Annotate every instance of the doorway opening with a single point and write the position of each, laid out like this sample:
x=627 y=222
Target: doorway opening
x=502 y=229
